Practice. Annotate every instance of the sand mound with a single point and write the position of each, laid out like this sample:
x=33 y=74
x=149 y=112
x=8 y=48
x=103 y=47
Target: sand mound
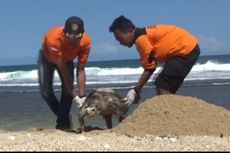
x=176 y=115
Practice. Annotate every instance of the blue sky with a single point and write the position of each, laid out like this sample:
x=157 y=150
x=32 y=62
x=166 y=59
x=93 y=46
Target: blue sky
x=24 y=23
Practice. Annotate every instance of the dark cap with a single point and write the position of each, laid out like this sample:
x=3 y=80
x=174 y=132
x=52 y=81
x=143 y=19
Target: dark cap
x=74 y=25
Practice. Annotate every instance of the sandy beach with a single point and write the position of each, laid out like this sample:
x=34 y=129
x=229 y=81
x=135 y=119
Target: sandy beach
x=54 y=140
x=162 y=123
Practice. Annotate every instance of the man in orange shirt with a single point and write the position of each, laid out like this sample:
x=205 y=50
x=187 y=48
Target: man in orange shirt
x=61 y=45
x=167 y=44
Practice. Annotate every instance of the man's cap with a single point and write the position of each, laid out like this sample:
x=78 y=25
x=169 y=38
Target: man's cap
x=74 y=25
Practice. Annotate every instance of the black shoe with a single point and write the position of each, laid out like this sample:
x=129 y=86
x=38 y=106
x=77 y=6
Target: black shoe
x=67 y=130
x=62 y=127
x=64 y=123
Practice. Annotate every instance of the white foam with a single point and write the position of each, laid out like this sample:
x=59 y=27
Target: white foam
x=97 y=75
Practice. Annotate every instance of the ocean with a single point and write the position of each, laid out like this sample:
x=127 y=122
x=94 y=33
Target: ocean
x=21 y=106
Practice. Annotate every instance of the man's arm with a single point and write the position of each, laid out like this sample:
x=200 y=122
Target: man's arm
x=133 y=96
x=147 y=72
x=66 y=75
x=81 y=78
x=143 y=79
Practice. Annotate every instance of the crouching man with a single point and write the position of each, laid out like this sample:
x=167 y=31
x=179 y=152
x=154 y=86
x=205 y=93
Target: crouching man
x=61 y=45
x=168 y=44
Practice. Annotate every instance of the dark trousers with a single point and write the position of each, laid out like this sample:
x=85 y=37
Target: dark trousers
x=175 y=70
x=60 y=108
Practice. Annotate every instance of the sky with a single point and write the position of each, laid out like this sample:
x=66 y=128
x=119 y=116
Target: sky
x=24 y=23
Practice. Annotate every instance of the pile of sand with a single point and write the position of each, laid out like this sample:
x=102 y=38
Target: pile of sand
x=176 y=115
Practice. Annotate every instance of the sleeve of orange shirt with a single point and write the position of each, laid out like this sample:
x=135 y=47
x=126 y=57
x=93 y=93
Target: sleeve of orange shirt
x=145 y=48
x=83 y=56
x=52 y=47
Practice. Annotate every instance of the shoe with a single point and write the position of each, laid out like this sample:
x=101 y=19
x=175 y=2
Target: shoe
x=67 y=130
x=66 y=125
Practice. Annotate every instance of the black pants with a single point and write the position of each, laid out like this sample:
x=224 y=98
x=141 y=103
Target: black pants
x=175 y=71
x=60 y=108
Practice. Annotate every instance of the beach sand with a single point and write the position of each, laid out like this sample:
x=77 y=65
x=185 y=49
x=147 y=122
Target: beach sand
x=162 y=123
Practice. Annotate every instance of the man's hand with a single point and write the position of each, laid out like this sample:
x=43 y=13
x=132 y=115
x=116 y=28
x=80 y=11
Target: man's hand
x=132 y=96
x=79 y=101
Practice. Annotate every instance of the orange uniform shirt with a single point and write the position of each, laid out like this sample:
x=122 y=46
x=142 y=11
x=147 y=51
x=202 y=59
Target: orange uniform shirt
x=165 y=41
x=55 y=46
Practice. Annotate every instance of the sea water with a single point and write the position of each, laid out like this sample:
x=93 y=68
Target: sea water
x=118 y=72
